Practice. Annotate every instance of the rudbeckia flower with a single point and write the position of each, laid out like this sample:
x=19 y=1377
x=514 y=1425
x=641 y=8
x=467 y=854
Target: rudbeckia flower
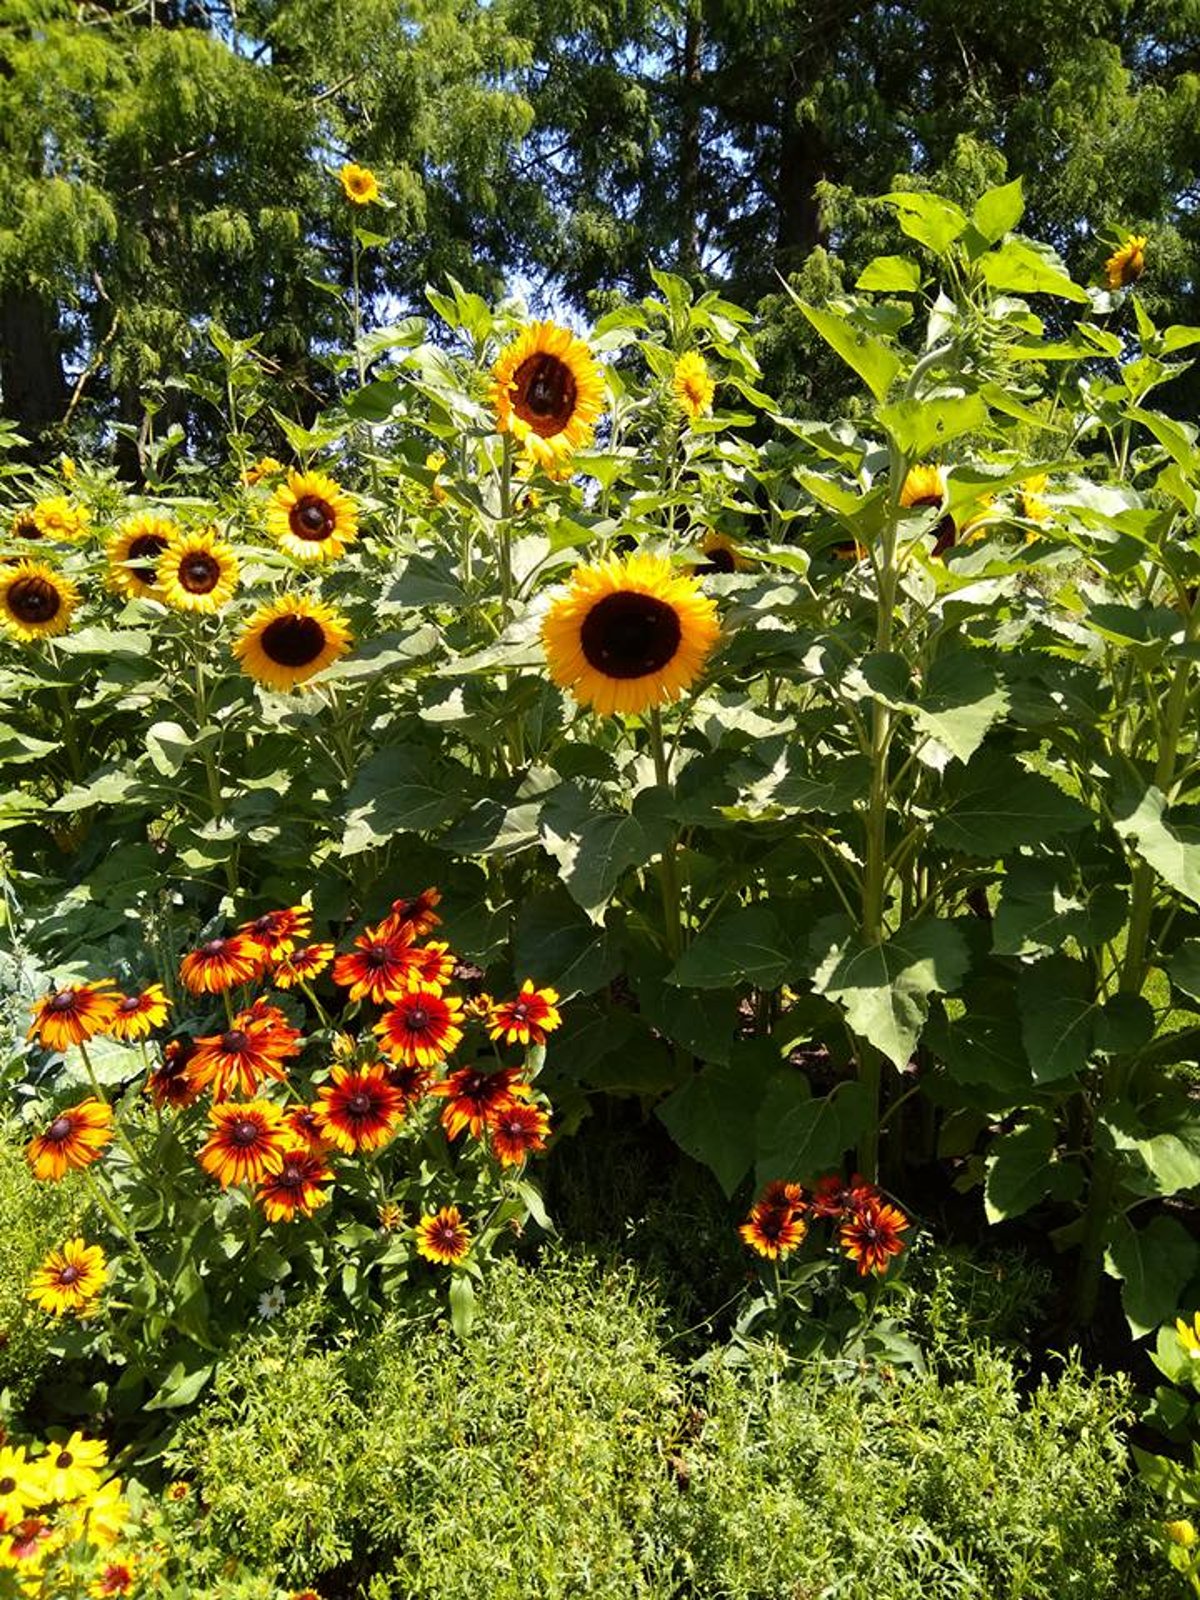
x=629 y=635
x=773 y=1231
x=298 y=1186
x=171 y=1083
x=137 y=1014
x=72 y=1469
x=476 y=1098
x=74 y=1139
x=277 y=933
x=872 y=1235
x=219 y=964
x=74 y=1014
x=247 y=1143
x=443 y=1238
x=517 y=1130
x=527 y=1019
x=359 y=1110
x=379 y=966
x=422 y=1027
x=415 y=916
x=301 y=966
x=69 y=1279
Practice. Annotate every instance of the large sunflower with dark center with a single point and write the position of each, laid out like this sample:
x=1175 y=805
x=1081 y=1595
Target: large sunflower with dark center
x=290 y=640
x=548 y=391
x=312 y=517
x=35 y=601
x=629 y=635
x=197 y=572
x=134 y=554
x=923 y=487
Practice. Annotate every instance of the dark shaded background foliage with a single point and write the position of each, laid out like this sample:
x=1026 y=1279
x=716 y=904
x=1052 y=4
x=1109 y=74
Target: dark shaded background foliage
x=167 y=161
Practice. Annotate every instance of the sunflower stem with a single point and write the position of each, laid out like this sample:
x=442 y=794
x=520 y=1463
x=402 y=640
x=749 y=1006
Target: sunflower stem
x=505 y=540
x=668 y=875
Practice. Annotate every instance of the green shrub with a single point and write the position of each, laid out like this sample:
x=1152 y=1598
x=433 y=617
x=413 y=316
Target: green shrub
x=524 y=1461
x=34 y=1218
x=924 y=1490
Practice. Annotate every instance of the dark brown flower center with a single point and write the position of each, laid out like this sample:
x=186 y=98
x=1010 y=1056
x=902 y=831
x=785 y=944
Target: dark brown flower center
x=64 y=1000
x=416 y=1019
x=27 y=528
x=244 y=1132
x=59 y=1130
x=64 y=1459
x=360 y=1104
x=312 y=518
x=199 y=572
x=129 y=1004
x=235 y=1041
x=7 y=1485
x=291 y=1177
x=629 y=635
x=34 y=600
x=292 y=640
x=718 y=560
x=944 y=535
x=545 y=394
x=69 y=1275
x=520 y=1010
x=377 y=956
x=149 y=545
x=214 y=947
x=446 y=1235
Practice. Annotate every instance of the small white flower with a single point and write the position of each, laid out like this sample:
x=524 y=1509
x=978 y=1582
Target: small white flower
x=271 y=1302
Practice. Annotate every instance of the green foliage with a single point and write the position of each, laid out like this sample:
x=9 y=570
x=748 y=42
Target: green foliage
x=37 y=1218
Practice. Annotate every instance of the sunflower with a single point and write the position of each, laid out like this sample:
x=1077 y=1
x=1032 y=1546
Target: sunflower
x=359 y=184
x=73 y=1014
x=772 y=1232
x=443 y=1238
x=35 y=601
x=133 y=554
x=290 y=640
x=198 y=571
x=59 y=518
x=301 y=965
x=720 y=554
x=871 y=1235
x=171 y=1083
x=527 y=1019
x=414 y=916
x=379 y=966
x=246 y=1144
x=925 y=486
x=218 y=964
x=477 y=1098
x=1029 y=499
x=20 y=1484
x=692 y=387
x=264 y=467
x=547 y=391
x=137 y=1014
x=421 y=1029
x=516 y=1130
x=628 y=635
x=297 y=1186
x=116 y=1578
x=434 y=462
x=72 y=1469
x=73 y=1140
x=68 y=1279
x=312 y=517
x=24 y=525
x=278 y=932
x=979 y=520
x=237 y=1061
x=1127 y=264
x=359 y=1109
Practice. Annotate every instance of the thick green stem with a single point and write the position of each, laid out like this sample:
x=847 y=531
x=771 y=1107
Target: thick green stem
x=668 y=874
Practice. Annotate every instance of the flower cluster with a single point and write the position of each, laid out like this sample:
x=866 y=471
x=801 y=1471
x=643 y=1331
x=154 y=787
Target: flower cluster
x=62 y=1519
x=266 y=1129
x=869 y=1228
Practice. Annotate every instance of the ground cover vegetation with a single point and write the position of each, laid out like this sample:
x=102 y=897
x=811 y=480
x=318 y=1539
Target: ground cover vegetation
x=601 y=979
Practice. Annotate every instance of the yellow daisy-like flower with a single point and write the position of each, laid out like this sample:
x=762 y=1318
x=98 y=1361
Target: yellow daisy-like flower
x=24 y=525
x=1029 y=499
x=73 y=1468
x=290 y=640
x=68 y=1279
x=197 y=571
x=20 y=1484
x=628 y=635
x=264 y=467
x=58 y=518
x=133 y=554
x=692 y=386
x=312 y=517
x=1127 y=264
x=443 y=1237
x=35 y=601
x=720 y=554
x=104 y=1517
x=359 y=184
x=547 y=391
x=1188 y=1335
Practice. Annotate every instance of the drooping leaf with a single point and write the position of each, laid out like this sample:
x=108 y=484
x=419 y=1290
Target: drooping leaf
x=1171 y=848
x=747 y=946
x=1155 y=1265
x=799 y=1135
x=875 y=363
x=714 y=1116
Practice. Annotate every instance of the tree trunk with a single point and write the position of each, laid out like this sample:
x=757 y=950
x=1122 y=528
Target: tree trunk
x=802 y=166
x=32 y=382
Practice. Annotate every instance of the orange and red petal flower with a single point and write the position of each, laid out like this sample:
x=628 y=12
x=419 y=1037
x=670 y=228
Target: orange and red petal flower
x=476 y=1098
x=298 y=1186
x=74 y=1139
x=220 y=964
x=527 y=1019
x=516 y=1130
x=236 y=1062
x=170 y=1084
x=443 y=1238
x=277 y=933
x=246 y=1144
x=301 y=966
x=137 y=1014
x=871 y=1236
x=421 y=1028
x=73 y=1014
x=414 y=917
x=359 y=1109
x=773 y=1233
x=378 y=967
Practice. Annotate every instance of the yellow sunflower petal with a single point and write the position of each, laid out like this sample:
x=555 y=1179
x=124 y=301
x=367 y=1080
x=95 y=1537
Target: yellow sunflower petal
x=312 y=517
x=197 y=572
x=35 y=601
x=290 y=640
x=547 y=391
